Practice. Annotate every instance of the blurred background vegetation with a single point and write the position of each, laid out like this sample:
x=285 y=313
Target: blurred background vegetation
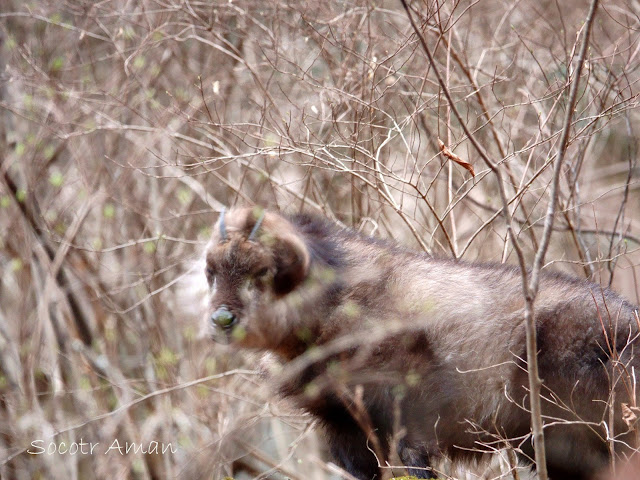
x=125 y=125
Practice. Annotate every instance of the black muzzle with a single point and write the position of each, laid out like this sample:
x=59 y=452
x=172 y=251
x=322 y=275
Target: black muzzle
x=223 y=318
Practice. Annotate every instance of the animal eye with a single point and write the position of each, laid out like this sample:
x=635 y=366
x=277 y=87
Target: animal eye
x=210 y=272
x=262 y=272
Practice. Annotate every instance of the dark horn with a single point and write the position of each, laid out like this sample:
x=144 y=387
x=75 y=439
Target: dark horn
x=256 y=227
x=223 y=228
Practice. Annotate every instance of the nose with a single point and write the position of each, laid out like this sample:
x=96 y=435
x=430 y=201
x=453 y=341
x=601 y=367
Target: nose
x=223 y=318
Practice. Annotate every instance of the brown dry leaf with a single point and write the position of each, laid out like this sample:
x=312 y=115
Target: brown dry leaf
x=452 y=156
x=630 y=415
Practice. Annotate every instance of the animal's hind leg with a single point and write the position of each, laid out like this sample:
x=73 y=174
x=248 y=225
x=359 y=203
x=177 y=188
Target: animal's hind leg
x=558 y=472
x=573 y=452
x=415 y=458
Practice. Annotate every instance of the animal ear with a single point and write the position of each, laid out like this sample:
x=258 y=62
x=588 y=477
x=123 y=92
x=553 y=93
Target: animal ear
x=292 y=263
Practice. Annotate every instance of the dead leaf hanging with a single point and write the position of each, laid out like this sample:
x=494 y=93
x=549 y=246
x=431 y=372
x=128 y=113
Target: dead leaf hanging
x=630 y=415
x=452 y=156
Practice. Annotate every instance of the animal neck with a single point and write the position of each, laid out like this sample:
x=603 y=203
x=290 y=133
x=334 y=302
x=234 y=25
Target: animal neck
x=305 y=314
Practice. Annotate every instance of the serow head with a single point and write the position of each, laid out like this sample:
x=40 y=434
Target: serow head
x=253 y=261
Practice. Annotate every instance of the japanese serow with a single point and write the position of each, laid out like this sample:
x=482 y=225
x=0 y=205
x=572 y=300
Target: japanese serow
x=394 y=349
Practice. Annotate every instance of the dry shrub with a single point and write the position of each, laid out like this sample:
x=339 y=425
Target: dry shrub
x=127 y=124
